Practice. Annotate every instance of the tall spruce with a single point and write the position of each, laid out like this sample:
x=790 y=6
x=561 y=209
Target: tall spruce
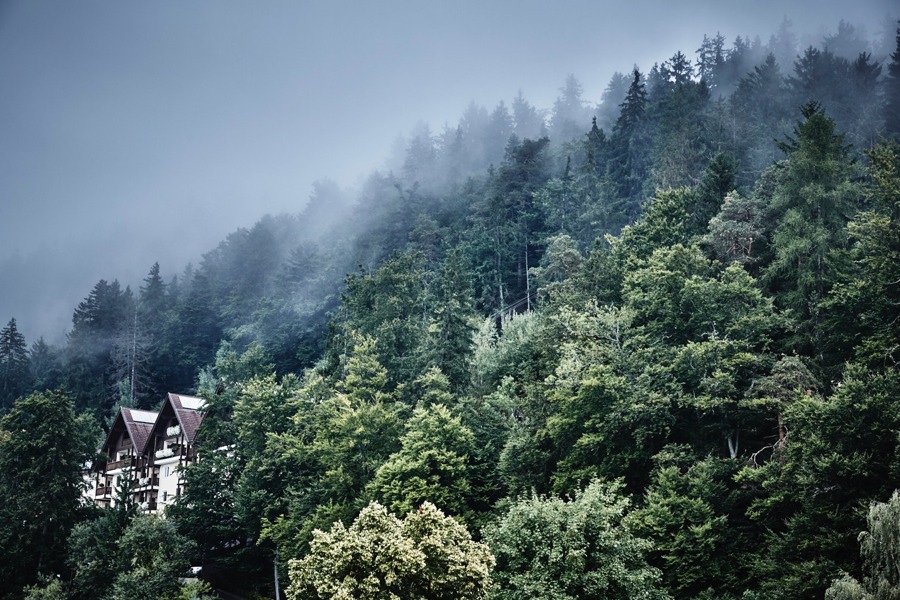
x=816 y=194
x=892 y=94
x=13 y=364
x=628 y=166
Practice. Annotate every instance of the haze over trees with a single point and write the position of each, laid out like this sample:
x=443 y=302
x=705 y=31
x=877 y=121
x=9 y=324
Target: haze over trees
x=642 y=349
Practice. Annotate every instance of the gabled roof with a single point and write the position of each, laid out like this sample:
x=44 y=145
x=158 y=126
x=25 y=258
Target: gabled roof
x=191 y=402
x=187 y=410
x=137 y=423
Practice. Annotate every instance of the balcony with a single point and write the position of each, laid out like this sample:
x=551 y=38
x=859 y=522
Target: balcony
x=103 y=491
x=164 y=453
x=128 y=461
x=148 y=482
x=148 y=506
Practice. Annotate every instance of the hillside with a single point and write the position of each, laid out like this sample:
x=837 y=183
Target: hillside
x=659 y=333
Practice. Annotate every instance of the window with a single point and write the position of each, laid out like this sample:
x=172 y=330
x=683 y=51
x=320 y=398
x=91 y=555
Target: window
x=167 y=471
x=165 y=495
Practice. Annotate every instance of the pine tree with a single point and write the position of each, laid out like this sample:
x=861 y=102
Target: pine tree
x=611 y=99
x=529 y=122
x=628 y=160
x=452 y=326
x=892 y=94
x=678 y=70
x=814 y=199
x=45 y=365
x=711 y=60
x=717 y=182
x=569 y=113
x=14 y=379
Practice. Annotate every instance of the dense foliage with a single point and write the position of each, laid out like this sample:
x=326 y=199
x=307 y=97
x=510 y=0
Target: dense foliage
x=647 y=349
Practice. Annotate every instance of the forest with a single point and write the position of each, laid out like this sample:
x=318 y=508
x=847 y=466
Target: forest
x=646 y=348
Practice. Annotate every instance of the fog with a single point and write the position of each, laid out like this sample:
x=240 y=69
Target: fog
x=132 y=133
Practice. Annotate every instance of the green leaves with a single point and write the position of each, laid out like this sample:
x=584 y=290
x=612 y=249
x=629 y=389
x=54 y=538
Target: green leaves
x=548 y=547
x=42 y=453
x=425 y=555
x=431 y=465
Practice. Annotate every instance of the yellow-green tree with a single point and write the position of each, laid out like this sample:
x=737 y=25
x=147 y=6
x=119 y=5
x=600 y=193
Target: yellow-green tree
x=424 y=555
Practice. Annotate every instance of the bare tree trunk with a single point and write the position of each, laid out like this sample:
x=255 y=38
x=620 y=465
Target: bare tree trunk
x=527 y=280
x=277 y=589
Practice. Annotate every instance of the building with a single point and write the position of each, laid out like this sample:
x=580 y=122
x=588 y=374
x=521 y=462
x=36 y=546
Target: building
x=150 y=448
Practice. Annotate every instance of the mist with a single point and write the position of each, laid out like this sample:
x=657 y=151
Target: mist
x=133 y=134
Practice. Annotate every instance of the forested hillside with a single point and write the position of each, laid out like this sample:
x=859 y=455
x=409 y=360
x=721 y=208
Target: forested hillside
x=642 y=349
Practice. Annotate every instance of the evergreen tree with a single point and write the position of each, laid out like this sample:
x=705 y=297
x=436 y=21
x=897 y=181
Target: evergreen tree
x=814 y=199
x=390 y=307
x=152 y=297
x=711 y=61
x=14 y=375
x=846 y=42
x=500 y=128
x=862 y=307
x=680 y=516
x=719 y=180
x=528 y=121
x=760 y=103
x=96 y=324
x=737 y=232
x=864 y=118
x=431 y=465
x=43 y=448
x=783 y=44
x=628 y=160
x=453 y=321
x=611 y=100
x=570 y=115
x=892 y=94
x=45 y=365
x=677 y=70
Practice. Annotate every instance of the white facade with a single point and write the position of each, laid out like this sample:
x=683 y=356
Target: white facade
x=151 y=448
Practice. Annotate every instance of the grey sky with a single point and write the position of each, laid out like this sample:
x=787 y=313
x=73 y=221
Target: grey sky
x=132 y=132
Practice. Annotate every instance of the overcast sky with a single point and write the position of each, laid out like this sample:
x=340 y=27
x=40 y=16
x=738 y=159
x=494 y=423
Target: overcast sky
x=134 y=132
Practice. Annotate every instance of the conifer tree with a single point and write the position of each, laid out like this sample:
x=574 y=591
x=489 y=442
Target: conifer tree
x=13 y=364
x=628 y=166
x=892 y=94
x=814 y=199
x=45 y=365
x=449 y=344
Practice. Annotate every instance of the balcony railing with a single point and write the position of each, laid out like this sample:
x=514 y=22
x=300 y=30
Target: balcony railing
x=103 y=491
x=148 y=481
x=182 y=450
x=128 y=461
